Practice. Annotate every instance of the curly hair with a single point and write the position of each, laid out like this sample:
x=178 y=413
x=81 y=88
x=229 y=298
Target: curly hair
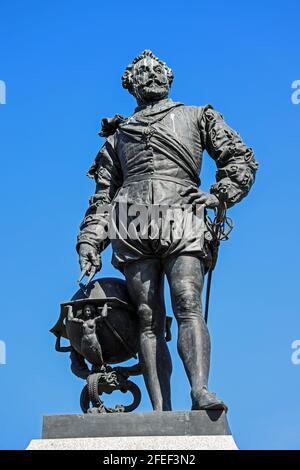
x=127 y=75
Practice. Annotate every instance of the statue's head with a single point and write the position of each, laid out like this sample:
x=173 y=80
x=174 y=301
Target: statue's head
x=147 y=78
x=88 y=311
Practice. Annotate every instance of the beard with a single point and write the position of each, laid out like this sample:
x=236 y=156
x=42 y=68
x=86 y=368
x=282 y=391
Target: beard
x=153 y=91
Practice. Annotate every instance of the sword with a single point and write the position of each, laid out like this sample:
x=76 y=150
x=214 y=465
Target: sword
x=219 y=233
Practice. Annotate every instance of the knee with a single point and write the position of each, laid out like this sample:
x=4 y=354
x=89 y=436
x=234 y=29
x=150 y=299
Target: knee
x=150 y=321
x=187 y=306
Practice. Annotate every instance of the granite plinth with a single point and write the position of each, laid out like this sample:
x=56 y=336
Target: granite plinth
x=166 y=423
x=168 y=430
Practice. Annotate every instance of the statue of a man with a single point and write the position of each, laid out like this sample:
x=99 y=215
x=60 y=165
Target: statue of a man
x=154 y=158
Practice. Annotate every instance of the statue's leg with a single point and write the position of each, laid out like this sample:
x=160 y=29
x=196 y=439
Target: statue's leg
x=185 y=275
x=145 y=284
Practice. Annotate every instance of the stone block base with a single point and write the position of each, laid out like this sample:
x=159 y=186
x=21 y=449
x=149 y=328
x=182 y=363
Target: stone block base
x=137 y=443
x=167 y=430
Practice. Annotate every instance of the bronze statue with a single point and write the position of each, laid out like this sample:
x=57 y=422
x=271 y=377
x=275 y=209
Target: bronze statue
x=153 y=159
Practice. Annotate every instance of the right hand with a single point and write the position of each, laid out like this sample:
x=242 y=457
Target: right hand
x=200 y=197
x=89 y=260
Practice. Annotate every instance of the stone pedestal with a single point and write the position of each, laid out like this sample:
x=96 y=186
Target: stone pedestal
x=176 y=430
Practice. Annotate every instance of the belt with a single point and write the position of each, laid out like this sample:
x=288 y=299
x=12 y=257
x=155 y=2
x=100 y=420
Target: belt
x=149 y=177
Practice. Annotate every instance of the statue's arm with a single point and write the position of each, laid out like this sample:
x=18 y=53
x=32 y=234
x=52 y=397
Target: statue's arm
x=236 y=166
x=108 y=177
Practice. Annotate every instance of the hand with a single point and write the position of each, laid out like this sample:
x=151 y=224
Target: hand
x=197 y=197
x=89 y=260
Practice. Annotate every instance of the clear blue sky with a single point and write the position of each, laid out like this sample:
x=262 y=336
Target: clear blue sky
x=62 y=62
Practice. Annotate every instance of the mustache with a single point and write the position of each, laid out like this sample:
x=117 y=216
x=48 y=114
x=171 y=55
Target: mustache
x=156 y=81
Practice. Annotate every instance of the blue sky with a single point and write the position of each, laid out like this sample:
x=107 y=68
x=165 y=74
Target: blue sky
x=62 y=62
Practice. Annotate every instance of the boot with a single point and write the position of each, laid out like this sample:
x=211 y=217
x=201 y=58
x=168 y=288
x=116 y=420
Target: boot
x=205 y=400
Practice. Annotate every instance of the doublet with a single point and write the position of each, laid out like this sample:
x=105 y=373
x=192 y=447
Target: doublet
x=152 y=158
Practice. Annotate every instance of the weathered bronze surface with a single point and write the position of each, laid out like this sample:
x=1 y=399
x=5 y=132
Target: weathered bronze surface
x=151 y=161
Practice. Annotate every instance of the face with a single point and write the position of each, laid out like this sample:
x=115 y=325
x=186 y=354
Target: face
x=150 y=81
x=87 y=311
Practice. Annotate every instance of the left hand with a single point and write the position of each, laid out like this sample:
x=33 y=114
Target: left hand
x=90 y=261
x=197 y=197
